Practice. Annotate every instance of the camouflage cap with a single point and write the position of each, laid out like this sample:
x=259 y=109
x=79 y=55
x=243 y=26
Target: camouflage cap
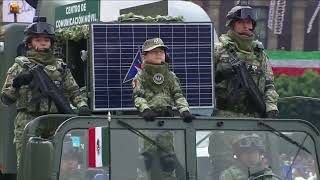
x=153 y=43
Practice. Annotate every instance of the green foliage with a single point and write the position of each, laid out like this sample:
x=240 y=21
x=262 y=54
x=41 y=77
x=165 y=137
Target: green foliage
x=299 y=97
x=78 y=32
x=306 y=85
x=74 y=33
x=131 y=17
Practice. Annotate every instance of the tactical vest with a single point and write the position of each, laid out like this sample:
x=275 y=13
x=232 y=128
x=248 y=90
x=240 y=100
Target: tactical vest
x=157 y=82
x=230 y=94
x=55 y=71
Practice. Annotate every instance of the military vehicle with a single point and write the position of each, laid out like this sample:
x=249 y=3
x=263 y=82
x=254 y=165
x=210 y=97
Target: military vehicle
x=107 y=145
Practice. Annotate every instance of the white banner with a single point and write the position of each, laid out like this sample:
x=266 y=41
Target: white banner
x=26 y=12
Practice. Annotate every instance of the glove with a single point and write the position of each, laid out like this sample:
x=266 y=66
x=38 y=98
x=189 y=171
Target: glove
x=149 y=115
x=84 y=111
x=22 y=79
x=187 y=116
x=272 y=114
x=224 y=74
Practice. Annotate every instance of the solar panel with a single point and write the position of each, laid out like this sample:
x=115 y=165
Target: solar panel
x=116 y=57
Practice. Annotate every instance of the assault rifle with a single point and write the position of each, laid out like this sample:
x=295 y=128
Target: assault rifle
x=43 y=87
x=246 y=81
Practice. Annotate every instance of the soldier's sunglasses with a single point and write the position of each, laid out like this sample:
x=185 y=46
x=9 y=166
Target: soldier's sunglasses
x=246 y=13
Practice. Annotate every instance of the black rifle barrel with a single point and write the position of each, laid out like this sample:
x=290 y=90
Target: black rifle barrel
x=246 y=80
x=43 y=86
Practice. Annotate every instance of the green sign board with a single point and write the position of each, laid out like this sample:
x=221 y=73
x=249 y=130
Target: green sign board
x=84 y=12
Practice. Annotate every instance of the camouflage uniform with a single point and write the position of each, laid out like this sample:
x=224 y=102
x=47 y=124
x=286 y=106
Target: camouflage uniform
x=232 y=100
x=157 y=88
x=158 y=97
x=56 y=70
x=161 y=161
x=238 y=171
x=230 y=96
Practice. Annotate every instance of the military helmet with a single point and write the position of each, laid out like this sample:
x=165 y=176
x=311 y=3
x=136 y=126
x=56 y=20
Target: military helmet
x=240 y=12
x=247 y=142
x=39 y=27
x=153 y=43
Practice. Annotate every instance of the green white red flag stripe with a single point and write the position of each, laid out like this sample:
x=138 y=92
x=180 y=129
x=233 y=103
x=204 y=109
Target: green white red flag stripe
x=294 y=63
x=98 y=147
x=294 y=67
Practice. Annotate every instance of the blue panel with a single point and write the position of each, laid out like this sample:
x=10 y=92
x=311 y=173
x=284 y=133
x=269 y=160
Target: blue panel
x=115 y=46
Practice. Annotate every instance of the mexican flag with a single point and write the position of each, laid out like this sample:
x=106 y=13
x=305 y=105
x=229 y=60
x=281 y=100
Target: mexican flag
x=294 y=63
x=98 y=147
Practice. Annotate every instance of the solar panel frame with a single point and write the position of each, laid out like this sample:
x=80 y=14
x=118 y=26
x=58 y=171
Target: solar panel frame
x=100 y=45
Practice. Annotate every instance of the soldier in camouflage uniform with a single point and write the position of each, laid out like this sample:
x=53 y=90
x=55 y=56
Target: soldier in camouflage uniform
x=156 y=89
x=248 y=164
x=231 y=97
x=233 y=100
x=39 y=39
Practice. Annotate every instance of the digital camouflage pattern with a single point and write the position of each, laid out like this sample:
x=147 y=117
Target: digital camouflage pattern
x=57 y=71
x=153 y=43
x=231 y=99
x=220 y=151
x=230 y=95
x=158 y=95
x=165 y=140
x=158 y=88
x=21 y=120
x=238 y=171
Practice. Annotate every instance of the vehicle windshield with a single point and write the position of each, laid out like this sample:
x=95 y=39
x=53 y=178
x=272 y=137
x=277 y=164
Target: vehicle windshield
x=84 y=156
x=253 y=154
x=155 y=154
x=132 y=156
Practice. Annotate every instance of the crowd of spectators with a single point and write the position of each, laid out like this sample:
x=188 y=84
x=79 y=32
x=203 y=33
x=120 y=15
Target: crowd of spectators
x=297 y=168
